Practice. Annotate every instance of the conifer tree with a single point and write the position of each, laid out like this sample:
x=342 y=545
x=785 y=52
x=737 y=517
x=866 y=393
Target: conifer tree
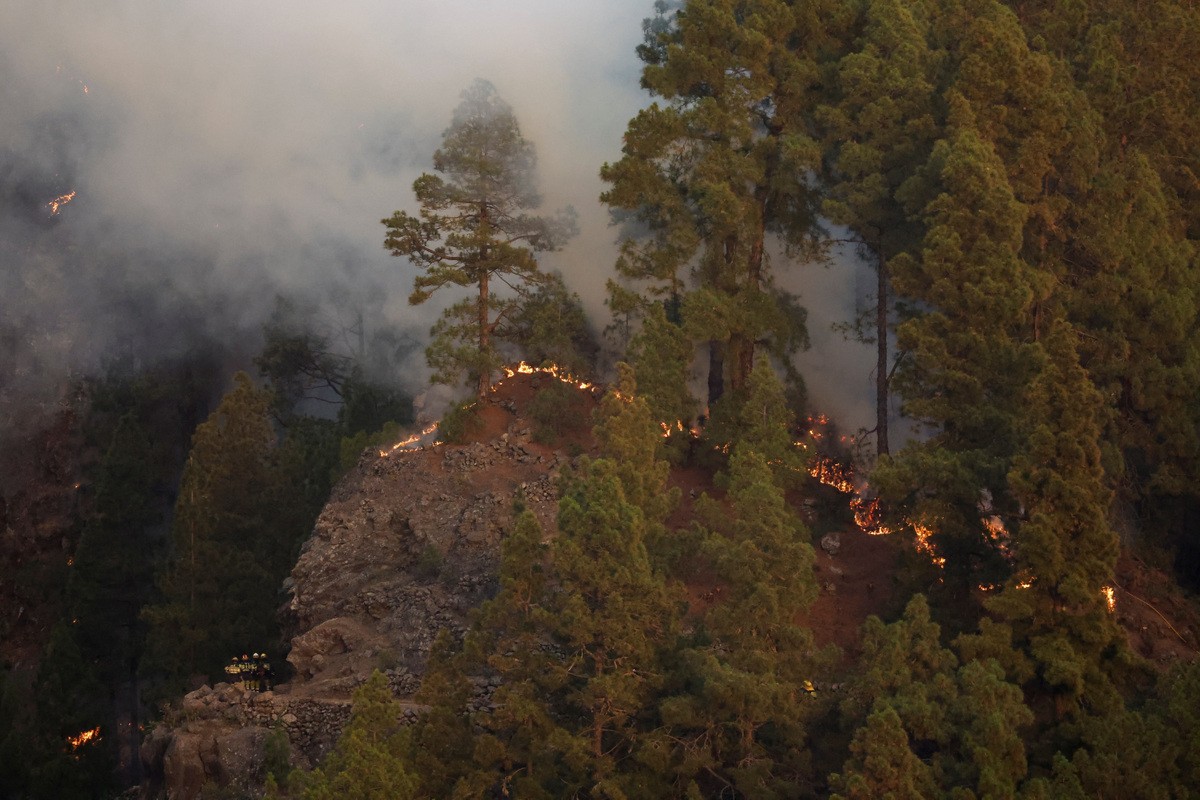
x=508 y=639
x=878 y=131
x=610 y=617
x=718 y=166
x=968 y=354
x=474 y=230
x=370 y=759
x=740 y=722
x=228 y=552
x=661 y=356
x=632 y=439
x=1053 y=631
x=761 y=421
x=928 y=721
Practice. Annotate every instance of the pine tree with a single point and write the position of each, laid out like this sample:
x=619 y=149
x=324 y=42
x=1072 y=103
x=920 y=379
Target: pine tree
x=229 y=554
x=879 y=130
x=660 y=354
x=473 y=230
x=924 y=721
x=610 y=617
x=1053 y=631
x=738 y=718
x=631 y=438
x=968 y=354
x=717 y=167
x=370 y=759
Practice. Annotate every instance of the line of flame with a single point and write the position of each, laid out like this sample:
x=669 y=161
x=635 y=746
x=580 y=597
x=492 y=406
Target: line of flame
x=408 y=444
x=60 y=201
x=83 y=738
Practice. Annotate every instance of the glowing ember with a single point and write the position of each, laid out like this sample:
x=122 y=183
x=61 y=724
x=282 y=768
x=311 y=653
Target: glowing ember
x=83 y=738
x=60 y=201
x=1110 y=598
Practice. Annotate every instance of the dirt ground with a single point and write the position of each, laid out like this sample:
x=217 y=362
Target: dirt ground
x=1161 y=622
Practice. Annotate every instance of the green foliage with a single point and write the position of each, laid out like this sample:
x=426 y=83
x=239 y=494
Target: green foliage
x=632 y=439
x=474 y=226
x=370 y=759
x=429 y=563
x=739 y=714
x=229 y=549
x=716 y=167
x=459 y=423
x=931 y=727
x=277 y=753
x=550 y=326
x=551 y=412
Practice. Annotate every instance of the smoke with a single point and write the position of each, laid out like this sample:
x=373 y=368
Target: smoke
x=224 y=152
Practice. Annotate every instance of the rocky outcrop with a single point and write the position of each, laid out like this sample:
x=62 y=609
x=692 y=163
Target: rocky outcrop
x=407 y=545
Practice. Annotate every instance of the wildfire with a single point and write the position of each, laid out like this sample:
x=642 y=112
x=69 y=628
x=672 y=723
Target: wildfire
x=1110 y=598
x=924 y=545
x=866 y=516
x=60 y=201
x=411 y=443
x=553 y=370
x=832 y=473
x=83 y=738
x=669 y=429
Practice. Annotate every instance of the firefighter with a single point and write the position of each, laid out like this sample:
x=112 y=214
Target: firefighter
x=810 y=689
x=266 y=676
x=233 y=670
x=245 y=670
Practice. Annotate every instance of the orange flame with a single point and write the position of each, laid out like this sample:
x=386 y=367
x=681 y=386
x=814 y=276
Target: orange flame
x=411 y=441
x=60 y=201
x=1110 y=598
x=553 y=370
x=83 y=738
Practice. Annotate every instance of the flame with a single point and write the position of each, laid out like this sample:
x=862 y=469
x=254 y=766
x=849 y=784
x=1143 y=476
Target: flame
x=83 y=738
x=832 y=473
x=411 y=441
x=1110 y=598
x=60 y=201
x=553 y=370
x=924 y=545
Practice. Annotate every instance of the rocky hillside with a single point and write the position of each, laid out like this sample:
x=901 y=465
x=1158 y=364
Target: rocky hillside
x=407 y=545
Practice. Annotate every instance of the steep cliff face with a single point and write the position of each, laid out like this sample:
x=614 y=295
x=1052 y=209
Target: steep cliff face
x=407 y=545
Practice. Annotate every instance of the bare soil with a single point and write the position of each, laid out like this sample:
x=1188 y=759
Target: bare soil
x=1161 y=622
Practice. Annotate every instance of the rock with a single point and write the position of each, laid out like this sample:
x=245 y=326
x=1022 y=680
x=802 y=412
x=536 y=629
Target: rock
x=831 y=543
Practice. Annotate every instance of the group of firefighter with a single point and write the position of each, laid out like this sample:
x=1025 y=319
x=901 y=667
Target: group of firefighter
x=254 y=672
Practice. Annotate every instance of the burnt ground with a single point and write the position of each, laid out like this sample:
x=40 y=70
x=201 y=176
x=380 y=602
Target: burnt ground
x=855 y=582
x=1162 y=623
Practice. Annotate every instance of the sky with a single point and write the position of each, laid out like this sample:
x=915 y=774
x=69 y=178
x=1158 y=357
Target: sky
x=221 y=152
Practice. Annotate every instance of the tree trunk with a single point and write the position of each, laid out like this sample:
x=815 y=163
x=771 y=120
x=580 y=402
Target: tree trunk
x=881 y=365
x=716 y=373
x=485 y=372
x=742 y=343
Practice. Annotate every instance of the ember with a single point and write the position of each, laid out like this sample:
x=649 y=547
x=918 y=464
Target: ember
x=83 y=738
x=60 y=201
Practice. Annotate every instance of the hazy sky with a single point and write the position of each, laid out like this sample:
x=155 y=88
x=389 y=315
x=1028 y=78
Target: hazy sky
x=223 y=150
